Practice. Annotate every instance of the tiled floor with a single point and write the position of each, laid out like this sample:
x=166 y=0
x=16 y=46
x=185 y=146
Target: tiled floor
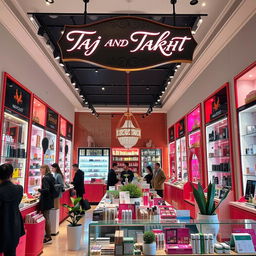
x=59 y=245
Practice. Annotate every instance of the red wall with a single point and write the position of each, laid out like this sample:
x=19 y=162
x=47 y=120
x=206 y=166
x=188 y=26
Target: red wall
x=103 y=130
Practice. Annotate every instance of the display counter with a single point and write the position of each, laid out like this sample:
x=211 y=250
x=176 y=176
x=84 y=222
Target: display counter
x=239 y=210
x=174 y=195
x=94 y=191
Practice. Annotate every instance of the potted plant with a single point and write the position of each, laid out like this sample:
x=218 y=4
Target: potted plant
x=149 y=247
x=207 y=208
x=113 y=195
x=74 y=229
x=135 y=192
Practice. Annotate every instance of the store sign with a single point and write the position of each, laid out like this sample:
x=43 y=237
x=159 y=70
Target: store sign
x=69 y=130
x=52 y=119
x=127 y=44
x=219 y=104
x=171 y=134
x=17 y=99
x=180 y=126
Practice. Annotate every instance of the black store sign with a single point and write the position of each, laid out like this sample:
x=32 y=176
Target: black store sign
x=17 y=99
x=127 y=44
x=52 y=119
x=219 y=104
x=171 y=134
x=181 y=128
x=69 y=130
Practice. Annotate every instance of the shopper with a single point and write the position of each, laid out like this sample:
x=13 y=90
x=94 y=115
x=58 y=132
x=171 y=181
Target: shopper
x=11 y=223
x=112 y=178
x=158 y=180
x=46 y=200
x=148 y=178
x=126 y=173
x=78 y=183
x=59 y=184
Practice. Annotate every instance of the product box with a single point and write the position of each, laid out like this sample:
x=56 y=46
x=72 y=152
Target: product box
x=128 y=245
x=123 y=207
x=177 y=236
x=178 y=249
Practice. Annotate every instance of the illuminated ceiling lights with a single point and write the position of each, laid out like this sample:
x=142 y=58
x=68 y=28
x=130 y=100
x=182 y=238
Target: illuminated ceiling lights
x=49 y=2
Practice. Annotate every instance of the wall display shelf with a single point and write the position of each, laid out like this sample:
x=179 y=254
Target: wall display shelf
x=194 y=145
x=67 y=166
x=94 y=162
x=16 y=103
x=218 y=140
x=150 y=156
x=49 y=147
x=172 y=160
x=101 y=234
x=36 y=159
x=131 y=156
x=62 y=153
x=245 y=88
x=181 y=151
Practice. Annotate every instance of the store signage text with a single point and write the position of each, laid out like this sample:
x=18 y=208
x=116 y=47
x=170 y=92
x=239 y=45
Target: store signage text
x=127 y=43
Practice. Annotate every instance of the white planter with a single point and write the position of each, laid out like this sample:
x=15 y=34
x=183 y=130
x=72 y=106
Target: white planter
x=210 y=224
x=149 y=249
x=136 y=200
x=74 y=235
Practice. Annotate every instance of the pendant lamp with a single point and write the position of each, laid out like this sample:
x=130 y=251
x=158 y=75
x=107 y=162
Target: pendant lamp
x=128 y=131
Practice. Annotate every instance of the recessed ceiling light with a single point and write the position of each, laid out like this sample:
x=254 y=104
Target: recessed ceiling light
x=147 y=88
x=193 y=32
x=86 y=103
x=96 y=71
x=61 y=64
x=175 y=69
x=62 y=31
x=204 y=4
x=74 y=83
x=162 y=92
x=171 y=77
x=77 y=89
x=103 y=88
x=31 y=18
x=48 y=2
x=67 y=74
x=250 y=76
x=178 y=66
x=158 y=100
x=81 y=95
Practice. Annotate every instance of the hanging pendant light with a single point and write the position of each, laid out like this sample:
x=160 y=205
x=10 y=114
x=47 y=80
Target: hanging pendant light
x=128 y=131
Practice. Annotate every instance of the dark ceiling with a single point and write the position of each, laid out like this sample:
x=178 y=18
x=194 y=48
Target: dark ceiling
x=102 y=87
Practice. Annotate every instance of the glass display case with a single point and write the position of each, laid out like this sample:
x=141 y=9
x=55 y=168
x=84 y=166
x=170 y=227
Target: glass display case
x=49 y=148
x=14 y=145
x=172 y=159
x=130 y=156
x=245 y=85
x=218 y=141
x=67 y=169
x=94 y=162
x=194 y=145
x=62 y=154
x=36 y=159
x=150 y=156
x=181 y=151
x=112 y=236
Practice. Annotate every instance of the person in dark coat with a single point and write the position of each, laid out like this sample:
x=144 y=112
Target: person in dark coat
x=11 y=223
x=78 y=183
x=148 y=178
x=112 y=179
x=126 y=173
x=46 y=200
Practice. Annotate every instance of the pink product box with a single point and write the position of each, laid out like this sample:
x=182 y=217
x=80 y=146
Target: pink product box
x=158 y=201
x=177 y=236
x=126 y=207
x=167 y=212
x=178 y=249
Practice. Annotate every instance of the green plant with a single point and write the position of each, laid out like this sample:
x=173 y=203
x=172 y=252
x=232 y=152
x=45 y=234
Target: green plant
x=74 y=211
x=207 y=205
x=113 y=193
x=149 y=237
x=135 y=191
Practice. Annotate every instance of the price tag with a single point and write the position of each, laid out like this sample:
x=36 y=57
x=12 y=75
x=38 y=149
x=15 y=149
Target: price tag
x=111 y=188
x=243 y=243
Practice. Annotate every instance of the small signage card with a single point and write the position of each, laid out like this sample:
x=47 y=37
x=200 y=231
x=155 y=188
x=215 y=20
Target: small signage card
x=243 y=242
x=111 y=188
x=124 y=197
x=183 y=214
x=17 y=99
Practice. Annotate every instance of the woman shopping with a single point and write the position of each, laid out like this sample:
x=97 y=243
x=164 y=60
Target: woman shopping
x=46 y=200
x=59 y=184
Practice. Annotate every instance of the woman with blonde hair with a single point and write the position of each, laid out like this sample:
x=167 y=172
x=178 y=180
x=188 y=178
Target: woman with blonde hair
x=46 y=200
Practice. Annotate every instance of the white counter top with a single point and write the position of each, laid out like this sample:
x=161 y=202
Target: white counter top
x=25 y=206
x=176 y=186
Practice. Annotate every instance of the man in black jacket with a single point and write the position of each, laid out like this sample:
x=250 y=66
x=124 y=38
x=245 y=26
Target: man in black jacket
x=11 y=223
x=78 y=183
x=126 y=173
x=112 y=179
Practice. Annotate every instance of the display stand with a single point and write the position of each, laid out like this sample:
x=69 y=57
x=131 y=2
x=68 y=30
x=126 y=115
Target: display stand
x=35 y=237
